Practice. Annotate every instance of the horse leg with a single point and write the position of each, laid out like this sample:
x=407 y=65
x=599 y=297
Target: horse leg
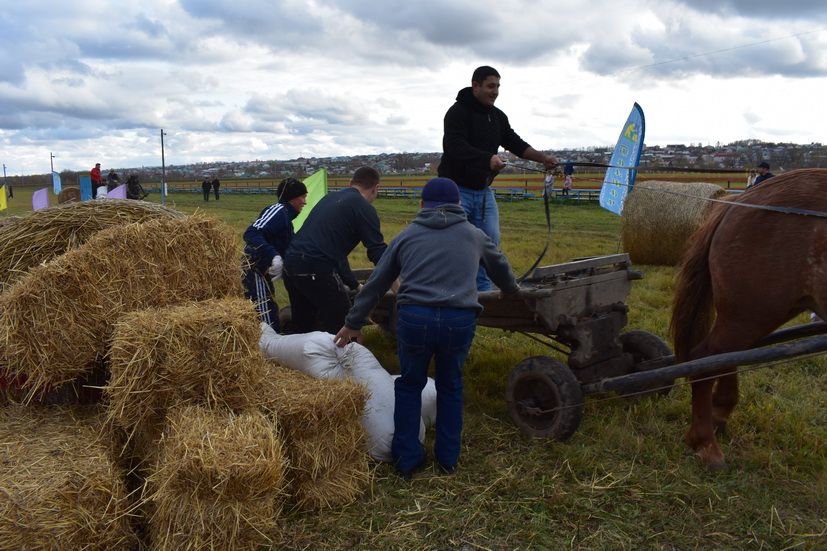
x=724 y=399
x=701 y=435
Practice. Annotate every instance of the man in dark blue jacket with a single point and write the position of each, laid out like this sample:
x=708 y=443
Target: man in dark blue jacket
x=435 y=259
x=316 y=268
x=474 y=132
x=763 y=173
x=266 y=242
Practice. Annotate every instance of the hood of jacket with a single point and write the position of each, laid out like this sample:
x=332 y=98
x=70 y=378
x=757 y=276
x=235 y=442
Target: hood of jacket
x=466 y=97
x=440 y=217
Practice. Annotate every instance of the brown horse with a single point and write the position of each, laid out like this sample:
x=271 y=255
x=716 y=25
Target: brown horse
x=746 y=272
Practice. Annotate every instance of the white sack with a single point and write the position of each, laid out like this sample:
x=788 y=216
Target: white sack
x=316 y=354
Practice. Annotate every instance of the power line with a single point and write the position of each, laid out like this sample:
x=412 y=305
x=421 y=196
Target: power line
x=722 y=50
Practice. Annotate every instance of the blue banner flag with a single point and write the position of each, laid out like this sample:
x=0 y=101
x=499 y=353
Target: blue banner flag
x=56 y=183
x=85 y=188
x=619 y=181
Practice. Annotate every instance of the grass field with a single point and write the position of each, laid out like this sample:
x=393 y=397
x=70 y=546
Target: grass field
x=625 y=479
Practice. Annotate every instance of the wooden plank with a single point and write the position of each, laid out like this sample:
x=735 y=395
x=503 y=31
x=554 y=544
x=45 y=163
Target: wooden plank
x=701 y=366
x=621 y=259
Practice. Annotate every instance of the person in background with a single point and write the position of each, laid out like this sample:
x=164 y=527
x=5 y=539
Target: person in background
x=316 y=269
x=95 y=175
x=266 y=242
x=436 y=258
x=763 y=173
x=474 y=132
x=205 y=188
x=568 y=172
x=215 y=185
x=112 y=180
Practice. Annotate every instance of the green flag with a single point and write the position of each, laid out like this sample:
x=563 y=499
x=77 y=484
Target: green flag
x=316 y=185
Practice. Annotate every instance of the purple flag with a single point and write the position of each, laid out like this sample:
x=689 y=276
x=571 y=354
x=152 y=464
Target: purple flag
x=40 y=199
x=117 y=193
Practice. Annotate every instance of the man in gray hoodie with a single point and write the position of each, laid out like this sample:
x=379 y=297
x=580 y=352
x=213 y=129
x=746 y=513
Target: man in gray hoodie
x=436 y=259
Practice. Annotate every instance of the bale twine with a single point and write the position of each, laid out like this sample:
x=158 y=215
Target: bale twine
x=201 y=353
x=658 y=218
x=59 y=488
x=31 y=240
x=218 y=482
x=68 y=195
x=55 y=323
x=323 y=433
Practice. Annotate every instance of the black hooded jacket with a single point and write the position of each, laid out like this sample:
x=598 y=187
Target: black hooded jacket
x=473 y=133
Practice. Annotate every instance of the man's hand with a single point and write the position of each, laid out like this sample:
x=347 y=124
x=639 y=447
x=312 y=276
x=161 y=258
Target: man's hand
x=550 y=162
x=496 y=163
x=395 y=285
x=346 y=335
x=504 y=294
x=276 y=267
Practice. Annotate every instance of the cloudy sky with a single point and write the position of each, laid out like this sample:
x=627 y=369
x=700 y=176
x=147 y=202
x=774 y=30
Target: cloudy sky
x=95 y=80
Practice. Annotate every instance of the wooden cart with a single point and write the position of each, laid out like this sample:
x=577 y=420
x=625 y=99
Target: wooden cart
x=579 y=309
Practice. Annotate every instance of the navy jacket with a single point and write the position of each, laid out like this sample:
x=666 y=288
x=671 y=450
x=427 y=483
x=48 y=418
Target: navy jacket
x=338 y=222
x=473 y=133
x=269 y=235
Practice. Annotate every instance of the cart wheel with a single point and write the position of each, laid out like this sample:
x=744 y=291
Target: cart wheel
x=644 y=346
x=544 y=398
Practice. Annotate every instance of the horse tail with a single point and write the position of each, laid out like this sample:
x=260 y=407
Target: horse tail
x=692 y=313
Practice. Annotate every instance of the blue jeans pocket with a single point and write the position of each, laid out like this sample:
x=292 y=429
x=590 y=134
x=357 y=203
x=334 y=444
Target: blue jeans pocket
x=460 y=337
x=410 y=336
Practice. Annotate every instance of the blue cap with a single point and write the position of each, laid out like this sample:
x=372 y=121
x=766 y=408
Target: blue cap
x=439 y=191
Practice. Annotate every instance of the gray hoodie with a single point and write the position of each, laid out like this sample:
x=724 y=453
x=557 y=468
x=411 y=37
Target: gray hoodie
x=437 y=258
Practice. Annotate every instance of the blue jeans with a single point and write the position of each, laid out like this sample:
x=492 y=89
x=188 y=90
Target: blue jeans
x=422 y=333
x=481 y=209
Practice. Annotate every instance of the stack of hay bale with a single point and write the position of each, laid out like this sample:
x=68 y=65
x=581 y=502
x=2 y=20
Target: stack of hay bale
x=659 y=217
x=216 y=438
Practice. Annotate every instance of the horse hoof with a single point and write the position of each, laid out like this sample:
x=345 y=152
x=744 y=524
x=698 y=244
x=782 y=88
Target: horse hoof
x=717 y=466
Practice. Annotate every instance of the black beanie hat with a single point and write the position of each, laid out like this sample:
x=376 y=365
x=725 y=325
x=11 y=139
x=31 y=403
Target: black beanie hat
x=289 y=189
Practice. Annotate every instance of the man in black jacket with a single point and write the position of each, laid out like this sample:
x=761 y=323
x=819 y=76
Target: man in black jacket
x=474 y=132
x=316 y=268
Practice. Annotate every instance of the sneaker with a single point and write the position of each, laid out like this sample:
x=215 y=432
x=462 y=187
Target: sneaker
x=408 y=475
x=446 y=469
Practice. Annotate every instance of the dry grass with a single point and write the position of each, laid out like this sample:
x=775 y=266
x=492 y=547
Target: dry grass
x=659 y=217
x=59 y=488
x=55 y=323
x=28 y=241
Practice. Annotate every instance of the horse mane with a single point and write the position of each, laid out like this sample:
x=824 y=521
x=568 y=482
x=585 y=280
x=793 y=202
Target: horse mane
x=692 y=313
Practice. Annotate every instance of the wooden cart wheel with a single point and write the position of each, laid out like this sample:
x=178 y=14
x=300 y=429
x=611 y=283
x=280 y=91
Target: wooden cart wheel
x=644 y=346
x=544 y=398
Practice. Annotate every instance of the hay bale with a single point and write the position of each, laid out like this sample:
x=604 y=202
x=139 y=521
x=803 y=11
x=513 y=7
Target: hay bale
x=68 y=195
x=59 y=488
x=323 y=434
x=658 y=218
x=56 y=321
x=202 y=353
x=218 y=482
x=31 y=240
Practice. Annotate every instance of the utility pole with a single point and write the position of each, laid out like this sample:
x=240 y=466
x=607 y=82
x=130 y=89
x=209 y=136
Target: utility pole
x=51 y=163
x=163 y=172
